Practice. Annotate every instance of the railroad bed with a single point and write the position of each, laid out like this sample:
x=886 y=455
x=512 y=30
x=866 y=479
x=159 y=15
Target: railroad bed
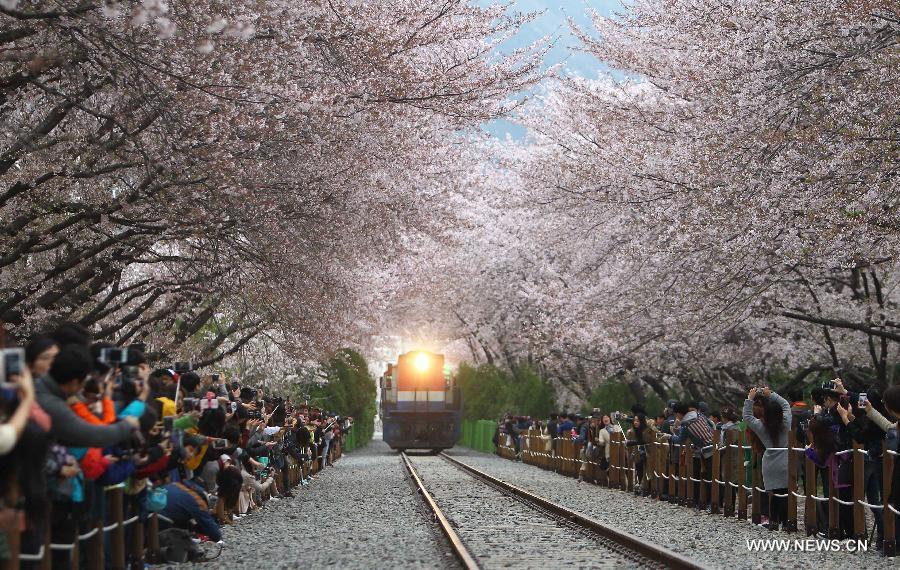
x=362 y=513
x=498 y=527
x=713 y=540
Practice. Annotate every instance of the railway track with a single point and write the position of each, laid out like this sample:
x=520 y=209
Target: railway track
x=495 y=523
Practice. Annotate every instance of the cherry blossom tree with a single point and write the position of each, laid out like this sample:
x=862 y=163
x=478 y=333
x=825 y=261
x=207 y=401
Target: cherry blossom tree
x=195 y=175
x=721 y=211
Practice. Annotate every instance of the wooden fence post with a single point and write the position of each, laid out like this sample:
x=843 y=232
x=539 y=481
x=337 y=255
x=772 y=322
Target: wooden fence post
x=859 y=514
x=703 y=486
x=756 y=481
x=742 y=475
x=790 y=525
x=810 y=523
x=715 y=488
x=834 y=529
x=613 y=464
x=76 y=552
x=46 y=562
x=690 y=499
x=728 y=511
x=682 y=474
x=95 y=553
x=670 y=482
x=117 y=534
x=153 y=536
x=137 y=543
x=574 y=463
x=890 y=521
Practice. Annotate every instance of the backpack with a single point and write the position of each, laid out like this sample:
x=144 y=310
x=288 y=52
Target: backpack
x=701 y=435
x=176 y=545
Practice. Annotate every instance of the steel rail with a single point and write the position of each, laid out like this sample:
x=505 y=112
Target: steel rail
x=650 y=551
x=459 y=549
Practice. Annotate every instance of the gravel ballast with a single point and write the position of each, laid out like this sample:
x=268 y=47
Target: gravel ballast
x=502 y=532
x=361 y=513
x=711 y=540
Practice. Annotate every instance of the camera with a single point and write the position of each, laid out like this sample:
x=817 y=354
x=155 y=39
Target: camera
x=209 y=404
x=182 y=367
x=114 y=356
x=130 y=373
x=254 y=414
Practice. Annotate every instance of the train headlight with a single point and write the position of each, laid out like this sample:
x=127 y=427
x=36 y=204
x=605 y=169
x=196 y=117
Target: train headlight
x=422 y=362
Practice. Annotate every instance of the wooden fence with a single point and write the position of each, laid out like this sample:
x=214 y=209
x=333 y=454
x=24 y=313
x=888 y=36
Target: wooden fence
x=131 y=541
x=669 y=474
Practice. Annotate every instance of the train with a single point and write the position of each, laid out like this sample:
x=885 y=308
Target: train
x=420 y=406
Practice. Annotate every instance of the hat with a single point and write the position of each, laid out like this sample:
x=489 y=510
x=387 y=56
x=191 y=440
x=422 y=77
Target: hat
x=704 y=408
x=596 y=413
x=671 y=404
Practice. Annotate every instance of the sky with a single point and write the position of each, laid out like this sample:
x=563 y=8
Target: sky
x=553 y=22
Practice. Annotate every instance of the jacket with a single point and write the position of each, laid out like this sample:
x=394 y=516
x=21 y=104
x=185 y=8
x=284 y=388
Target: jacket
x=67 y=427
x=698 y=430
x=602 y=440
x=185 y=501
x=774 y=462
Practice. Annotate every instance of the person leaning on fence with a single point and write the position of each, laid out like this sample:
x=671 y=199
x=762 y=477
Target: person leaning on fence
x=512 y=436
x=730 y=418
x=580 y=439
x=693 y=427
x=878 y=409
x=772 y=430
x=596 y=451
x=639 y=435
x=827 y=413
x=552 y=430
x=822 y=450
x=865 y=430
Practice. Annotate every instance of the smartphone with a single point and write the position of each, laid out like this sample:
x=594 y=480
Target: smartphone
x=862 y=400
x=12 y=363
x=219 y=443
x=233 y=407
x=114 y=355
x=215 y=378
x=168 y=423
x=182 y=367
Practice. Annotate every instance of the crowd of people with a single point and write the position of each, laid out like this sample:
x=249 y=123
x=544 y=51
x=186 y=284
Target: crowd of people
x=77 y=417
x=825 y=429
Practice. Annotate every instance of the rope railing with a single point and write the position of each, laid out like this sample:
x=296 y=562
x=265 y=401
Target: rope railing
x=729 y=482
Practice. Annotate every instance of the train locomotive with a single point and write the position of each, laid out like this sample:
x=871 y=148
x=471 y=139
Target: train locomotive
x=420 y=403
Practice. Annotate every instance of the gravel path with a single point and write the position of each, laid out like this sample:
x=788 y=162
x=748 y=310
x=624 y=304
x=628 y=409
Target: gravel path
x=361 y=513
x=710 y=539
x=501 y=532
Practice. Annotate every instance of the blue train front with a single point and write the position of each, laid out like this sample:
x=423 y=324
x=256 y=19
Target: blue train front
x=420 y=405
